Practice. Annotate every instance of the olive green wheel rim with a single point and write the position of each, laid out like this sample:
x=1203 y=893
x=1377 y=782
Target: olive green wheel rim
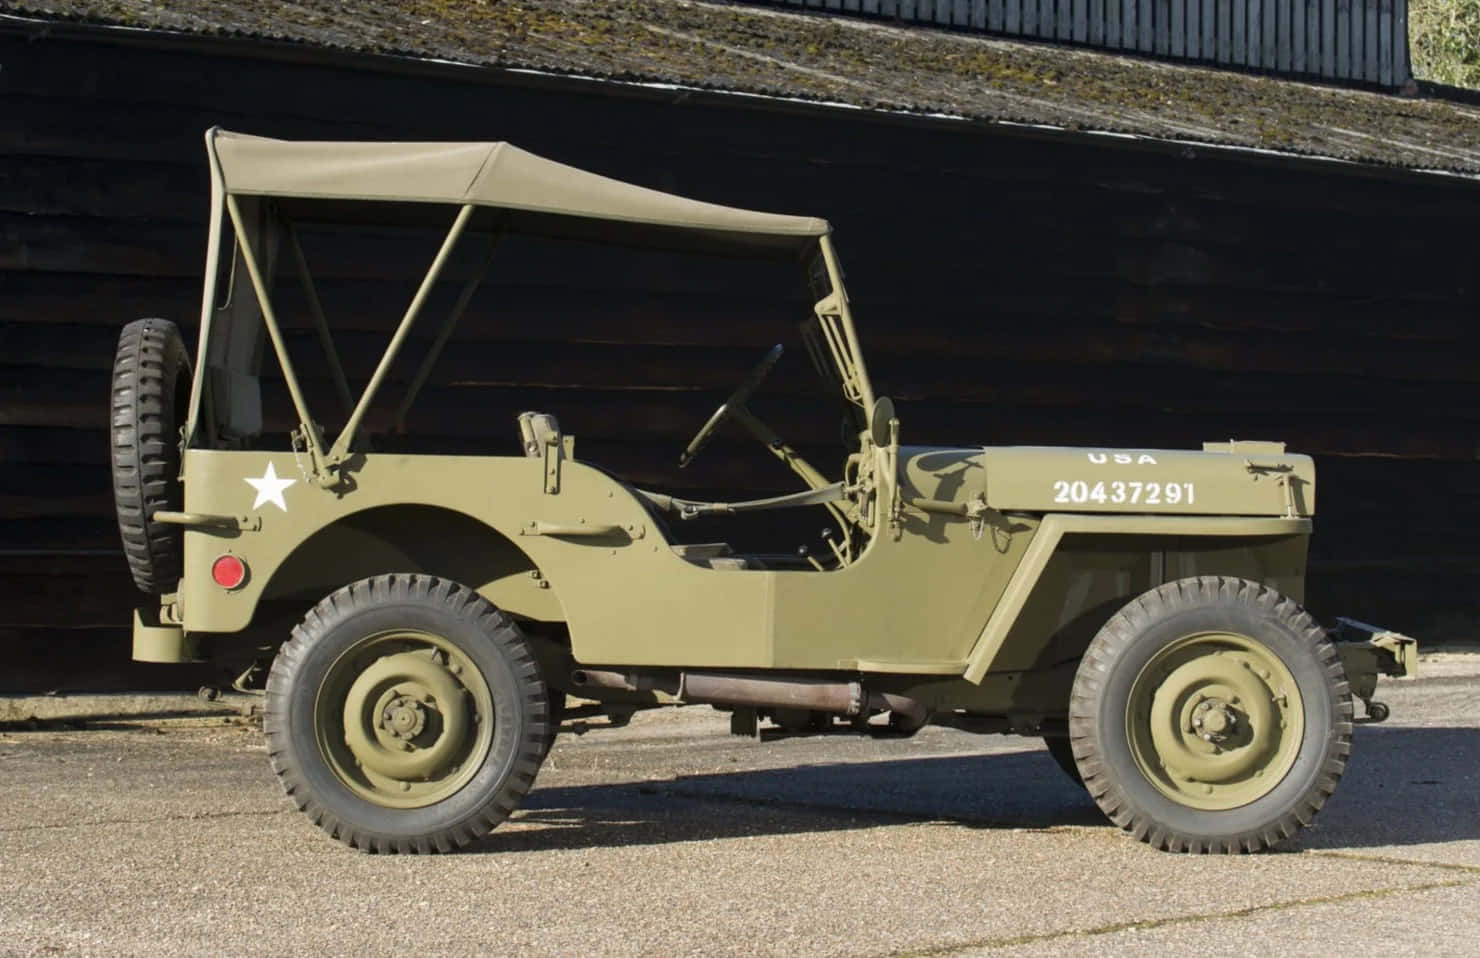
x=1215 y=721
x=404 y=719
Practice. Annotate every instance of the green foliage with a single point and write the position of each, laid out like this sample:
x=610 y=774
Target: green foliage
x=1444 y=36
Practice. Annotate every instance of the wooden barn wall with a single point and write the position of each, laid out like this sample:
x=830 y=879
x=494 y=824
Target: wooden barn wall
x=1356 y=41
x=1011 y=289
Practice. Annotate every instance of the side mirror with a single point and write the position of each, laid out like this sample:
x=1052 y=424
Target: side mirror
x=878 y=420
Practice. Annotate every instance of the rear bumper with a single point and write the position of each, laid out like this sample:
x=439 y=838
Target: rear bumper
x=159 y=641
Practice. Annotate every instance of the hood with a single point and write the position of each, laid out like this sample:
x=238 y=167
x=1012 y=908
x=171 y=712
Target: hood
x=1228 y=478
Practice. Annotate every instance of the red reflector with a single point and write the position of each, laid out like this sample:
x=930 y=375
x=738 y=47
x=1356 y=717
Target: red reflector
x=228 y=571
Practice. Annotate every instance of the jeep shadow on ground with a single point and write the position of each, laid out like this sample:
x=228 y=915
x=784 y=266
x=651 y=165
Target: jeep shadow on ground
x=1405 y=786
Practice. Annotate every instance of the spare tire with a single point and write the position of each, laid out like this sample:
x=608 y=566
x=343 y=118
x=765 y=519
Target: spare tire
x=151 y=393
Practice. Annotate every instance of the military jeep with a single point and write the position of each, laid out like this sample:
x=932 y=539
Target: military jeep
x=1137 y=609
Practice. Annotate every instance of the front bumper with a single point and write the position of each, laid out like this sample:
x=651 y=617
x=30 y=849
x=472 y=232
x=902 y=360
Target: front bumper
x=1368 y=651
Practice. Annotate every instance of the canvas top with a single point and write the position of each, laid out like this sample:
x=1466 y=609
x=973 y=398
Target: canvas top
x=497 y=175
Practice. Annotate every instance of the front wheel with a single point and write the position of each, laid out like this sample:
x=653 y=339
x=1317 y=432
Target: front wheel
x=1211 y=715
x=406 y=714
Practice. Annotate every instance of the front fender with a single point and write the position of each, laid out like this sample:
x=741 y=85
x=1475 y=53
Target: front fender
x=1053 y=529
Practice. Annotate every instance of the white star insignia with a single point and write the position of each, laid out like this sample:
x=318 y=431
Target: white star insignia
x=270 y=488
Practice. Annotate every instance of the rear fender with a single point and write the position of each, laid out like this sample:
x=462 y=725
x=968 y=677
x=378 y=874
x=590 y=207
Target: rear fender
x=416 y=538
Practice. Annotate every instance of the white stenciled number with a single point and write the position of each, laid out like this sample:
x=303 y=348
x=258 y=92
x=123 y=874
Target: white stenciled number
x=1080 y=492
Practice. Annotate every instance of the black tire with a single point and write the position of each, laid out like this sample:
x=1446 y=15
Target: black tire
x=1062 y=751
x=557 y=717
x=367 y=632
x=1300 y=736
x=151 y=390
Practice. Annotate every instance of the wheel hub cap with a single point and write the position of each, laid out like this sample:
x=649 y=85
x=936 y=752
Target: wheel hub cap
x=1215 y=720
x=405 y=719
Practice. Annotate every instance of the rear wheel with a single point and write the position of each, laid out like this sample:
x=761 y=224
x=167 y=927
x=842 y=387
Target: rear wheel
x=1211 y=715
x=406 y=714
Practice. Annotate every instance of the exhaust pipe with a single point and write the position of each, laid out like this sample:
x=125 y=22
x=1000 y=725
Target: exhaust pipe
x=749 y=691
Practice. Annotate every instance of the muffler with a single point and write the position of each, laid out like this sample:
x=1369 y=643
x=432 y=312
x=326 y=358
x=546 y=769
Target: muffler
x=749 y=691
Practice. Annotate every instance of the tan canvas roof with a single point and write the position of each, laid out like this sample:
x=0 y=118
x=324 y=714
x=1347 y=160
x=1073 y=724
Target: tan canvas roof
x=484 y=174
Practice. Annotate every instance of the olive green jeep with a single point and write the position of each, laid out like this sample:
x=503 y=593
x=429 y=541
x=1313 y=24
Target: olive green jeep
x=1138 y=609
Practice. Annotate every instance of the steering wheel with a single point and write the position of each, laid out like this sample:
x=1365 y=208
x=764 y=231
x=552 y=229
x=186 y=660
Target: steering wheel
x=737 y=399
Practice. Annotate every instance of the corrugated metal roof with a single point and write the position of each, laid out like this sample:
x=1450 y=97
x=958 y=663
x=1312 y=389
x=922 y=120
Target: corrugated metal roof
x=1355 y=41
x=863 y=64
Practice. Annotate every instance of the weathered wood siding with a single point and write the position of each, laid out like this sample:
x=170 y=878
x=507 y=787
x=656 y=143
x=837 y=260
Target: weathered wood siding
x=1359 y=41
x=1011 y=288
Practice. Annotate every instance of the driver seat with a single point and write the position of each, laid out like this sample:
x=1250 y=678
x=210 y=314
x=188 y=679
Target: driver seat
x=538 y=430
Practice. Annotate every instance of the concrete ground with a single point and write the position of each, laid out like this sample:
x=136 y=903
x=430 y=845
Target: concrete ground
x=168 y=835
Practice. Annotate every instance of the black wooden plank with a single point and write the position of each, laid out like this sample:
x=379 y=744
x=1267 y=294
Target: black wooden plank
x=995 y=15
x=1013 y=15
x=1177 y=28
x=1114 y=35
x=1417 y=342
x=978 y=14
x=1129 y=20
x=118 y=189
x=1080 y=14
x=1030 y=26
x=1146 y=24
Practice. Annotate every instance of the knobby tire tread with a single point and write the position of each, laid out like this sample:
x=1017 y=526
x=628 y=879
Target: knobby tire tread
x=1113 y=640
x=144 y=448
x=460 y=601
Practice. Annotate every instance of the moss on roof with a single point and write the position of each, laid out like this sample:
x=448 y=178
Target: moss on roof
x=756 y=50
